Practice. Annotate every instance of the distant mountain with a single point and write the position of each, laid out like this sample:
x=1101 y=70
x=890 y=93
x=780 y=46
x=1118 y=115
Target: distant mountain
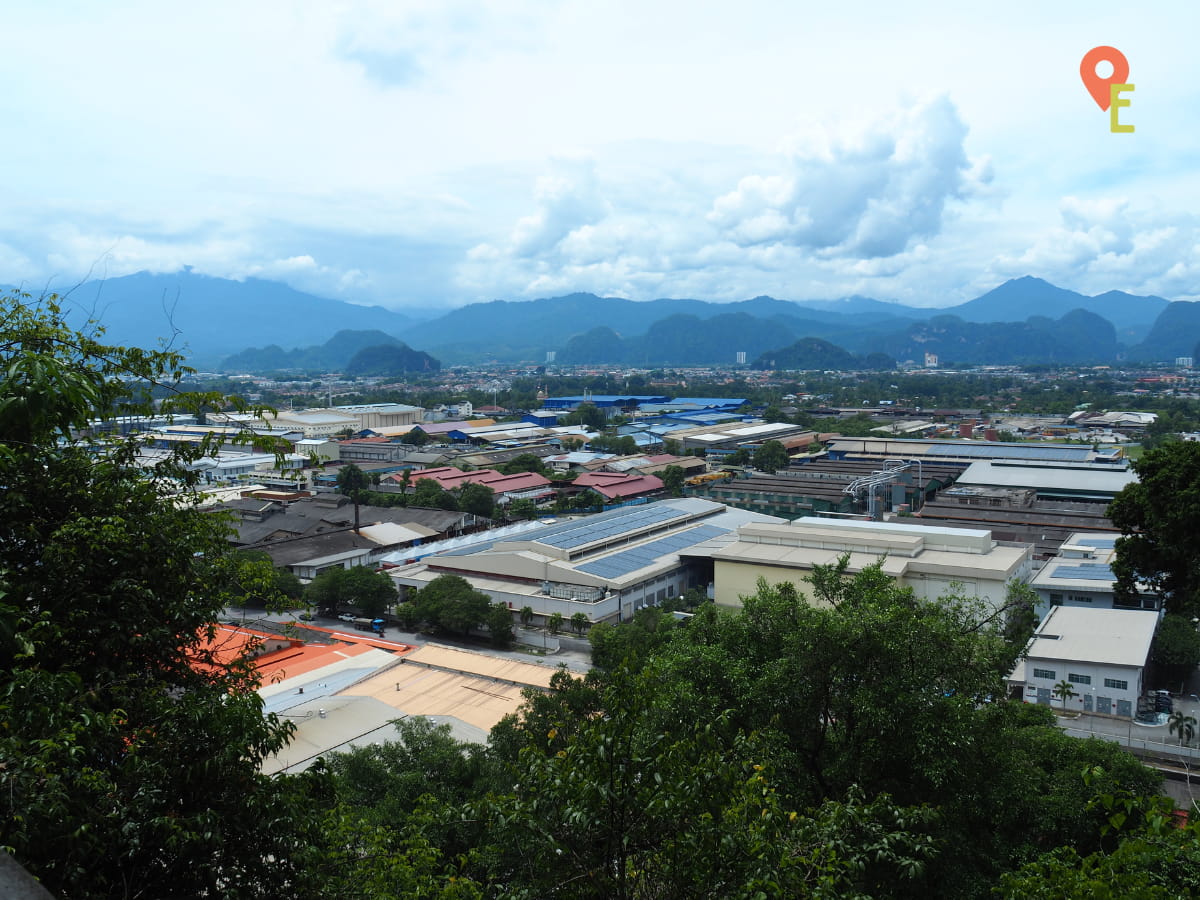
x=209 y=318
x=811 y=354
x=513 y=331
x=390 y=359
x=1020 y=298
x=1175 y=333
x=352 y=352
x=1078 y=336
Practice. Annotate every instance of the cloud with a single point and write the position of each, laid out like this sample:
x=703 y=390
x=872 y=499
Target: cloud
x=864 y=192
x=843 y=206
x=1110 y=243
x=398 y=45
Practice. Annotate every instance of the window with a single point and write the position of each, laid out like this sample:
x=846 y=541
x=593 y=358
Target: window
x=1116 y=683
x=1056 y=599
x=1080 y=598
x=1079 y=679
x=1044 y=673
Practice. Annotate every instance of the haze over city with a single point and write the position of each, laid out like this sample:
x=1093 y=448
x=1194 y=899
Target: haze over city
x=436 y=154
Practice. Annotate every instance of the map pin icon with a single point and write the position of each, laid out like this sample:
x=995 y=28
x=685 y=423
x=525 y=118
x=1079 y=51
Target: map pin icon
x=1099 y=87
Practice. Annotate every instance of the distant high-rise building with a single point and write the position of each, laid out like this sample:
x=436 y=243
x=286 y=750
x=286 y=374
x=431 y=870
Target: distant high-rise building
x=741 y=357
x=551 y=355
x=931 y=360
x=1184 y=362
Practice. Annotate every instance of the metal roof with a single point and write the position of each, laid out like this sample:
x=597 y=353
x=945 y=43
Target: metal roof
x=1014 y=451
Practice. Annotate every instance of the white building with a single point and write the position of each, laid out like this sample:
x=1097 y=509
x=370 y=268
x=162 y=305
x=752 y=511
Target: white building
x=1102 y=653
x=1081 y=575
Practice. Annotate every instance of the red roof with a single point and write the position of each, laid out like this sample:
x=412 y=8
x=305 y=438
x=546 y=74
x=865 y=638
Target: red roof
x=450 y=478
x=614 y=485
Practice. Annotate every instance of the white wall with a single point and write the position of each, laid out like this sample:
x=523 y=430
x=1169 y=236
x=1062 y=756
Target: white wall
x=1088 y=695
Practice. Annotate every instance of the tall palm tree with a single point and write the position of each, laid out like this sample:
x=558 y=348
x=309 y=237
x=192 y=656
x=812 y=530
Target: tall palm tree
x=1185 y=725
x=1064 y=691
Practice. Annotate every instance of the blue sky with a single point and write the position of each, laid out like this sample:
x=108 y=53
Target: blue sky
x=439 y=153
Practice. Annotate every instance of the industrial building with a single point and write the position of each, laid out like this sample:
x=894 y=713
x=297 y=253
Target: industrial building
x=606 y=566
x=1081 y=575
x=1101 y=653
x=932 y=561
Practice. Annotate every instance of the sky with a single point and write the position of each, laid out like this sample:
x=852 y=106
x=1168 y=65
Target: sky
x=432 y=154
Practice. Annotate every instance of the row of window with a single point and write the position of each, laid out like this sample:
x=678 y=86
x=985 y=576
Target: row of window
x=1057 y=599
x=1050 y=674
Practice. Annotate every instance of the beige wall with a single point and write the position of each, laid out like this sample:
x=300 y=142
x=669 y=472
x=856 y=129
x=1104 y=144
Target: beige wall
x=733 y=580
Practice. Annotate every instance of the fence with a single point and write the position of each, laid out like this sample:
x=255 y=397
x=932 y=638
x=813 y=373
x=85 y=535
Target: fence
x=1130 y=741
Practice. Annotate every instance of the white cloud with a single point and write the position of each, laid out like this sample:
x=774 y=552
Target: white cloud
x=866 y=192
x=1114 y=243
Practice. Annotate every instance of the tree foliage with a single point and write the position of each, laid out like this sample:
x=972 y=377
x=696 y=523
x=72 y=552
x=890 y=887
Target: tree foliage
x=672 y=479
x=359 y=588
x=449 y=602
x=771 y=457
x=131 y=755
x=477 y=499
x=1159 y=518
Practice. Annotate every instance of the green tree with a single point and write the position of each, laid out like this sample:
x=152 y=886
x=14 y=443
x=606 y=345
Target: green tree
x=771 y=457
x=1176 y=645
x=282 y=582
x=1159 y=518
x=587 y=414
x=477 y=499
x=1064 y=691
x=358 y=588
x=526 y=615
x=131 y=753
x=449 y=602
x=672 y=479
x=579 y=622
x=416 y=438
x=524 y=462
x=522 y=509
x=631 y=644
x=353 y=483
x=1184 y=724
x=500 y=625
x=555 y=623
x=428 y=493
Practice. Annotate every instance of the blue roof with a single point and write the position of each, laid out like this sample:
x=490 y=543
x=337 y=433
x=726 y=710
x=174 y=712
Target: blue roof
x=601 y=400
x=711 y=402
x=626 y=561
x=1085 y=571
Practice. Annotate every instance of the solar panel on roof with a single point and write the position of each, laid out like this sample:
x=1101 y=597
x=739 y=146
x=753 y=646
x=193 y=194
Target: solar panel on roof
x=625 y=561
x=1085 y=572
x=576 y=534
x=1101 y=543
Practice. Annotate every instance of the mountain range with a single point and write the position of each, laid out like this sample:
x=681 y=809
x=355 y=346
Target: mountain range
x=1023 y=320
